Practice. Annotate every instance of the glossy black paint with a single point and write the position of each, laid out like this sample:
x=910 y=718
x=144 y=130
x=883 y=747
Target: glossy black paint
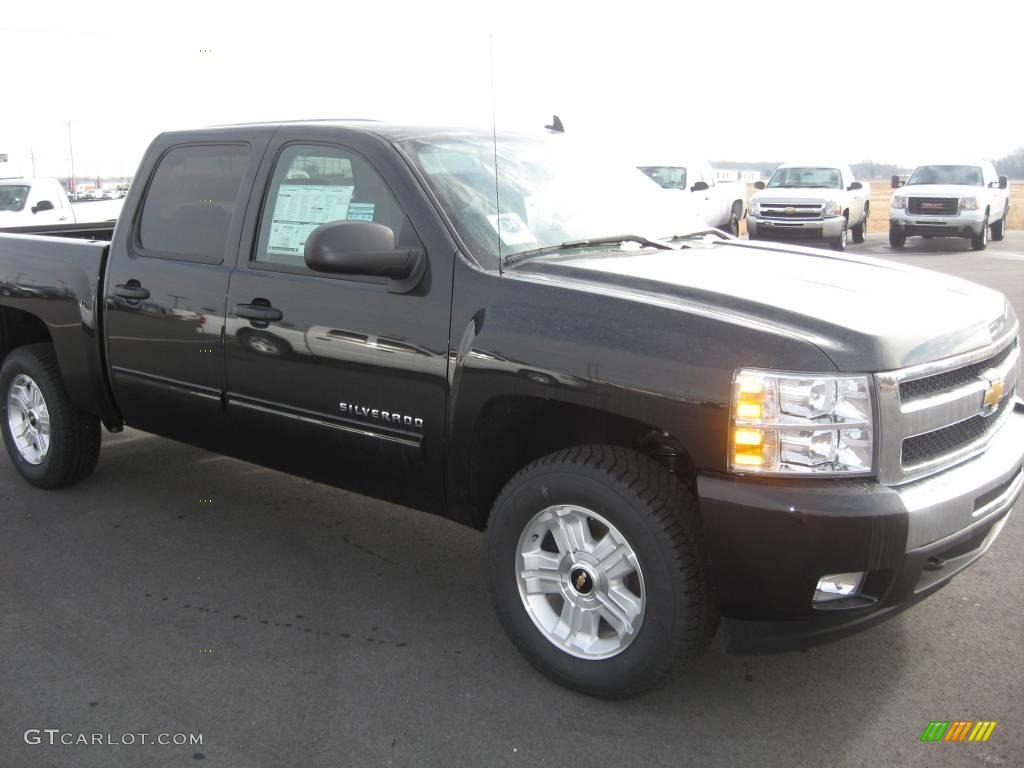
x=388 y=389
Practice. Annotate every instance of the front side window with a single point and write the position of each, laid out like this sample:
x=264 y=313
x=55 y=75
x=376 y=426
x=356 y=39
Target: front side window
x=666 y=176
x=314 y=185
x=806 y=178
x=191 y=201
x=13 y=196
x=964 y=175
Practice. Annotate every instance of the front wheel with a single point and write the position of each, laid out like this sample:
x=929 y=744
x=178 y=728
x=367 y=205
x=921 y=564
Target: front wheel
x=597 y=570
x=733 y=226
x=897 y=237
x=860 y=231
x=52 y=443
x=980 y=241
x=839 y=243
x=999 y=228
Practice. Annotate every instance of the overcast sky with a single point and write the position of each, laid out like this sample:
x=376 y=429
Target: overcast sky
x=890 y=81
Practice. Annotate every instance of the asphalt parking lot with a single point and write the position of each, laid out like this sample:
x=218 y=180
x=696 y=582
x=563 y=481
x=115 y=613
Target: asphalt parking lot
x=296 y=625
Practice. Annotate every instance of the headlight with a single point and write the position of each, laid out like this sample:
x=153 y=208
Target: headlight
x=832 y=208
x=969 y=203
x=800 y=423
x=755 y=207
x=899 y=201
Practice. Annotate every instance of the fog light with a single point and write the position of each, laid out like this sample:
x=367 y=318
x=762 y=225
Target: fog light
x=838 y=586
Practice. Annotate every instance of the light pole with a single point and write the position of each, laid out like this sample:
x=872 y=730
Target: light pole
x=71 y=148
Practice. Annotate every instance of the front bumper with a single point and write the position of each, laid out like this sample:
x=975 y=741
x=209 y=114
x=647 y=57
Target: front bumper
x=795 y=229
x=770 y=540
x=963 y=224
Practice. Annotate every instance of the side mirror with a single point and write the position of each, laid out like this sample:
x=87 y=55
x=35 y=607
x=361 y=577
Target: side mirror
x=42 y=205
x=896 y=183
x=854 y=186
x=1003 y=182
x=758 y=185
x=700 y=186
x=364 y=249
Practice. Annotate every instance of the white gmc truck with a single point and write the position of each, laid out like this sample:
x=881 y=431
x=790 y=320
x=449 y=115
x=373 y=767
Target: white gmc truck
x=966 y=200
x=810 y=201
x=718 y=204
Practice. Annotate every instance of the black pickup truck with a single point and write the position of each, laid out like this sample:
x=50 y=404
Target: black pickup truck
x=657 y=426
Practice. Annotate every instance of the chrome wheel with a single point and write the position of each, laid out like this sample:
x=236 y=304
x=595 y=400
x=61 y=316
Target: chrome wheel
x=28 y=419
x=580 y=582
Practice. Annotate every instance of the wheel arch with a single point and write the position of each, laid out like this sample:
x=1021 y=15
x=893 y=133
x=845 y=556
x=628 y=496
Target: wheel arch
x=19 y=328
x=513 y=430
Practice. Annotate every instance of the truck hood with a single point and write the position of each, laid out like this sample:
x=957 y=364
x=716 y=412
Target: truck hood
x=941 y=190
x=865 y=314
x=794 y=195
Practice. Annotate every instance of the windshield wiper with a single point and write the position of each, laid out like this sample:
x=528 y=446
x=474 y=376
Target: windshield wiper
x=515 y=258
x=699 y=233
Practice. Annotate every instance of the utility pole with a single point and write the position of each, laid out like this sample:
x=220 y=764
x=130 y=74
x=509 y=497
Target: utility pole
x=71 y=148
x=32 y=156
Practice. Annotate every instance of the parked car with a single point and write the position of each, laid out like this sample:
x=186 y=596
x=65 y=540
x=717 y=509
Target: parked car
x=717 y=203
x=968 y=200
x=821 y=202
x=655 y=427
x=33 y=202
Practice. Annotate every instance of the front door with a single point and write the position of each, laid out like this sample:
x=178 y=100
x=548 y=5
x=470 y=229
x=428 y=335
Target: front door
x=336 y=378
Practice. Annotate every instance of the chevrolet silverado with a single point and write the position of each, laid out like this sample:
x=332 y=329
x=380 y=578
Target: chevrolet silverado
x=657 y=425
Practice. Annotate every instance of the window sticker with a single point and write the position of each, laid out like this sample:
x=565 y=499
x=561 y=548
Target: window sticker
x=511 y=229
x=361 y=211
x=301 y=208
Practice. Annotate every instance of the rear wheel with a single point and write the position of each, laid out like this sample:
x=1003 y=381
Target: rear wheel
x=860 y=231
x=980 y=241
x=52 y=443
x=597 y=570
x=999 y=228
x=897 y=237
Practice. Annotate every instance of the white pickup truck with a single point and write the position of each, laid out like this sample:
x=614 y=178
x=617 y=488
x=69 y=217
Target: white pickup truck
x=966 y=200
x=718 y=204
x=28 y=202
x=810 y=201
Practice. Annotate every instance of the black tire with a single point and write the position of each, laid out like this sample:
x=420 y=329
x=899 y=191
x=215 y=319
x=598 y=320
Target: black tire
x=897 y=237
x=74 y=446
x=733 y=226
x=839 y=243
x=658 y=518
x=999 y=228
x=860 y=231
x=980 y=241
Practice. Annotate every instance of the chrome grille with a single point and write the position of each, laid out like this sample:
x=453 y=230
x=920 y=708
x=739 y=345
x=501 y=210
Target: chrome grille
x=933 y=206
x=934 y=416
x=794 y=211
x=944 y=382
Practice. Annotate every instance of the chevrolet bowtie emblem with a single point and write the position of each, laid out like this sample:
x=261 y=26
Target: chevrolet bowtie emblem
x=581 y=580
x=790 y=210
x=994 y=393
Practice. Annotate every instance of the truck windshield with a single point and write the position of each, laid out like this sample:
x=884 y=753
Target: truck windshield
x=13 y=196
x=547 y=192
x=666 y=176
x=806 y=178
x=964 y=175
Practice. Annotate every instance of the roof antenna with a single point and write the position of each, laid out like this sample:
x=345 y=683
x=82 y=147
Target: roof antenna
x=556 y=125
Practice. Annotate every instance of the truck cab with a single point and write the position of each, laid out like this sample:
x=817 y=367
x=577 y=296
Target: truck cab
x=716 y=203
x=33 y=202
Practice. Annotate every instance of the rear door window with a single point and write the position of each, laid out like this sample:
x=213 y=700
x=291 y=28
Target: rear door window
x=191 y=201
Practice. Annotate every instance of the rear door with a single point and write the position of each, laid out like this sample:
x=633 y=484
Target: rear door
x=345 y=382
x=168 y=279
